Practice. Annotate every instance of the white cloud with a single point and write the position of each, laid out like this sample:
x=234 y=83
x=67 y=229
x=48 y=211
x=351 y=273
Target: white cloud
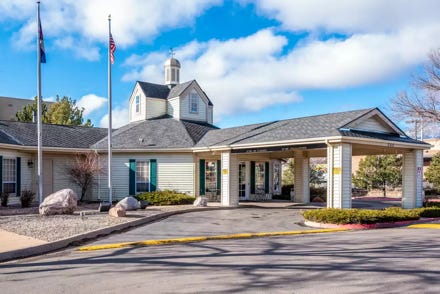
x=236 y=74
x=82 y=50
x=119 y=118
x=248 y=74
x=348 y=16
x=91 y=103
x=132 y=20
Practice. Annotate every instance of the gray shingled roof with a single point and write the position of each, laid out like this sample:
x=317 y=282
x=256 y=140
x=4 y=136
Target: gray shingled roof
x=159 y=133
x=25 y=134
x=319 y=126
x=164 y=92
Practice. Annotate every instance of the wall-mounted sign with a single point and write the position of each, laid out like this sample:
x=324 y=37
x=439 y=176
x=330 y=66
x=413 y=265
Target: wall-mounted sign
x=225 y=171
x=336 y=170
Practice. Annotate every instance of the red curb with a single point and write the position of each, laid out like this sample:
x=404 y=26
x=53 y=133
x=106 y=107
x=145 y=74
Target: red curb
x=368 y=226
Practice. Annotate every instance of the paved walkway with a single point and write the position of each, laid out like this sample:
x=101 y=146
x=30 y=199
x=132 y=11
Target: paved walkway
x=10 y=241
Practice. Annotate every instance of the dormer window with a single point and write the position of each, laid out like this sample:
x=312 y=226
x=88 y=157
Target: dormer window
x=193 y=103
x=137 y=104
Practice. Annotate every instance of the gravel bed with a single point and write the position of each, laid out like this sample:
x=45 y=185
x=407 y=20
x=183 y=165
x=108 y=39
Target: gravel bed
x=57 y=227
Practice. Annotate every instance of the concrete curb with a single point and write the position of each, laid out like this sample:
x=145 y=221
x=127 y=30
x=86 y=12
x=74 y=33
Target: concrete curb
x=60 y=244
x=425 y=226
x=203 y=238
x=368 y=226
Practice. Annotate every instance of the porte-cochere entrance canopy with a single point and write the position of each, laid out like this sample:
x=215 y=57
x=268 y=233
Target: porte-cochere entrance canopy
x=244 y=162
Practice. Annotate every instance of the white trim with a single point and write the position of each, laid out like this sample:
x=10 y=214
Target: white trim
x=381 y=116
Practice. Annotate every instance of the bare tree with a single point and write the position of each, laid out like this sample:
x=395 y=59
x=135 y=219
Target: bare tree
x=423 y=101
x=83 y=170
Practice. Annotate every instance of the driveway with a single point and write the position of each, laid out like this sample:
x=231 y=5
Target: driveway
x=216 y=222
x=373 y=261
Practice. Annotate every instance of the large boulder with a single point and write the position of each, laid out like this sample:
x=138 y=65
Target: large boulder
x=129 y=203
x=201 y=201
x=61 y=202
x=117 y=211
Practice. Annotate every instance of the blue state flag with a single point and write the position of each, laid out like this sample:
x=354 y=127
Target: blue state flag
x=41 y=42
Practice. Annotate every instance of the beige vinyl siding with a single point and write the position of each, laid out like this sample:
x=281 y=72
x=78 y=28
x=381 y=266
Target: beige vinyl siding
x=201 y=115
x=61 y=178
x=142 y=114
x=174 y=171
x=155 y=107
x=374 y=124
x=173 y=107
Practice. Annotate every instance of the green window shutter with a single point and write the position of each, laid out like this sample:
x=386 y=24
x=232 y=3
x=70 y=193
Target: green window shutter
x=132 y=177
x=18 y=178
x=153 y=175
x=266 y=177
x=1 y=174
x=219 y=179
x=252 y=177
x=202 y=177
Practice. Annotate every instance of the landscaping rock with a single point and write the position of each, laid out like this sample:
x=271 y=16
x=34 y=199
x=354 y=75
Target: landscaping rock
x=201 y=201
x=117 y=211
x=61 y=202
x=129 y=203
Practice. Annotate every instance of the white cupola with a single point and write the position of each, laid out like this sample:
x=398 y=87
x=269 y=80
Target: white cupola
x=172 y=71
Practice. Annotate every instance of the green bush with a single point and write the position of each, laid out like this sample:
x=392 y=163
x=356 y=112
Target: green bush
x=166 y=197
x=433 y=211
x=26 y=198
x=360 y=216
x=431 y=204
x=4 y=199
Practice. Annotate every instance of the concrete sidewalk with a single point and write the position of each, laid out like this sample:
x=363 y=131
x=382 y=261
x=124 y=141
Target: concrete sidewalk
x=10 y=241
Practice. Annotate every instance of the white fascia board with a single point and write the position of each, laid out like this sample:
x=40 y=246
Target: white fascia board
x=384 y=143
x=334 y=139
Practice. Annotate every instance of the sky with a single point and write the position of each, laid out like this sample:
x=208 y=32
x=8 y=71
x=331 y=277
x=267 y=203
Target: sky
x=257 y=61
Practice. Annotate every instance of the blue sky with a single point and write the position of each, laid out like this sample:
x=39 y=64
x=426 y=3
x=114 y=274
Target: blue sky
x=257 y=60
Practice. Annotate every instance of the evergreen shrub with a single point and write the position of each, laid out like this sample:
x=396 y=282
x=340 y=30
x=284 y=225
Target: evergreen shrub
x=165 y=197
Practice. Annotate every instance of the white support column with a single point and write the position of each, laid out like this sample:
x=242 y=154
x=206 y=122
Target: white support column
x=302 y=177
x=339 y=176
x=229 y=170
x=412 y=179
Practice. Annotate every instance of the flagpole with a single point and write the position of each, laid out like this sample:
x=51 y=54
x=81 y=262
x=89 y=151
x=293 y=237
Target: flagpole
x=39 y=111
x=109 y=113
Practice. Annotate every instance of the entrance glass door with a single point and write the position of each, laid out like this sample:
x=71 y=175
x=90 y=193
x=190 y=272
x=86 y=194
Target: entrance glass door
x=242 y=181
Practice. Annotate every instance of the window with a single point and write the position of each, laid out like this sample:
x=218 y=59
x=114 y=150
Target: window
x=9 y=175
x=173 y=74
x=193 y=103
x=138 y=103
x=211 y=178
x=142 y=176
x=259 y=178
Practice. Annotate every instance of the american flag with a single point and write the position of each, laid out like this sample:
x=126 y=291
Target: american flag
x=112 y=49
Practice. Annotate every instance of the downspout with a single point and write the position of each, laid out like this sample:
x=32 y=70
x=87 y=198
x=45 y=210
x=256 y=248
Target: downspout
x=330 y=163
